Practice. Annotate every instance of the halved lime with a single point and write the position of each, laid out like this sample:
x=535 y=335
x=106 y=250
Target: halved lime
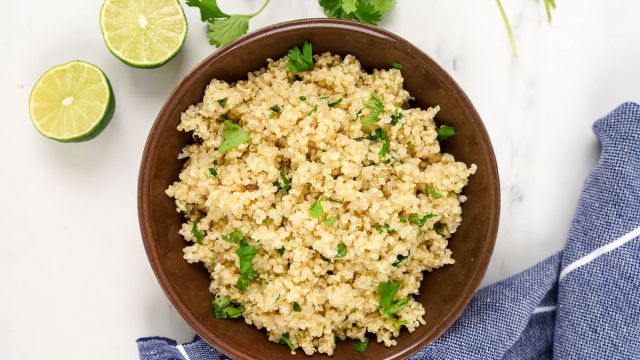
x=143 y=33
x=72 y=102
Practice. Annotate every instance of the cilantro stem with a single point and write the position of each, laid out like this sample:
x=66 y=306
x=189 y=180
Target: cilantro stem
x=512 y=39
x=261 y=8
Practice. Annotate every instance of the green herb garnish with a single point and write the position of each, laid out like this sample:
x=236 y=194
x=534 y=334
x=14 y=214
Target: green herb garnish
x=342 y=250
x=296 y=307
x=316 y=210
x=401 y=258
x=281 y=251
x=213 y=171
x=196 y=233
x=387 y=291
x=376 y=106
x=223 y=102
x=223 y=28
x=420 y=221
x=445 y=132
x=434 y=194
x=224 y=308
x=303 y=98
x=366 y=11
x=333 y=104
x=246 y=253
x=300 y=60
x=403 y=219
x=233 y=136
x=395 y=118
x=379 y=228
x=397 y=65
x=284 y=340
x=235 y=237
x=361 y=346
x=330 y=221
x=315 y=108
x=357 y=115
x=380 y=134
x=275 y=111
x=283 y=183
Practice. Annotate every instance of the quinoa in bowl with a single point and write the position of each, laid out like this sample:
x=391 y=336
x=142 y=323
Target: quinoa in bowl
x=316 y=197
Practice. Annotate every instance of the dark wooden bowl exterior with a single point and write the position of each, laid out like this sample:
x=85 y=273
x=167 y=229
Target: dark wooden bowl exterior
x=444 y=293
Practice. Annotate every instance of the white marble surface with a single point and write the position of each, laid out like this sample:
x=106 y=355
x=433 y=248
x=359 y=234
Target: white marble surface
x=74 y=279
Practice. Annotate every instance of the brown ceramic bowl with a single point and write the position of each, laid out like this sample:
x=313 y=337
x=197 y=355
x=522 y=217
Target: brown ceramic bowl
x=444 y=293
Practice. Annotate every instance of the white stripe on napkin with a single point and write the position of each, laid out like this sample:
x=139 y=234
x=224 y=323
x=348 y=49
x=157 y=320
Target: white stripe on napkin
x=183 y=352
x=600 y=251
x=543 y=309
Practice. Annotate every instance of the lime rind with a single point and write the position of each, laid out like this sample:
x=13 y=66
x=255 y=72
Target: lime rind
x=108 y=110
x=142 y=64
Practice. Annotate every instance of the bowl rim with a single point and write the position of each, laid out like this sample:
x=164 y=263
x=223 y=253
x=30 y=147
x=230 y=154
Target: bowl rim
x=144 y=177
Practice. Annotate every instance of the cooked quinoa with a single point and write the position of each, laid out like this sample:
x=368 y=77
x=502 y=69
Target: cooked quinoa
x=320 y=213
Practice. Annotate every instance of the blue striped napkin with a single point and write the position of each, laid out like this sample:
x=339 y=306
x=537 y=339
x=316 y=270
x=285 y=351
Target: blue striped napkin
x=582 y=303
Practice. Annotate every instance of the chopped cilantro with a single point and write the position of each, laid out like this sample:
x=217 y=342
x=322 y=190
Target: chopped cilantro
x=386 y=228
x=434 y=194
x=387 y=291
x=445 y=132
x=397 y=65
x=379 y=228
x=223 y=102
x=223 y=308
x=395 y=118
x=235 y=237
x=296 y=307
x=333 y=104
x=376 y=106
x=382 y=135
x=357 y=115
x=420 y=221
x=342 y=250
x=330 y=221
x=246 y=253
x=316 y=210
x=438 y=228
x=403 y=220
x=196 y=233
x=303 y=98
x=284 y=340
x=283 y=183
x=361 y=346
x=213 y=171
x=401 y=258
x=233 y=136
x=315 y=108
x=281 y=251
x=300 y=60
x=275 y=111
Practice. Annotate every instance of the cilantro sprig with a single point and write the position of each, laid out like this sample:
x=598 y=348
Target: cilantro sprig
x=380 y=134
x=387 y=291
x=284 y=340
x=224 y=308
x=366 y=11
x=376 y=106
x=300 y=60
x=548 y=5
x=223 y=27
x=245 y=253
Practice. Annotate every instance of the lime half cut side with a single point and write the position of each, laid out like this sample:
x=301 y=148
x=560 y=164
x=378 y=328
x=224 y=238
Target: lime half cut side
x=143 y=33
x=72 y=102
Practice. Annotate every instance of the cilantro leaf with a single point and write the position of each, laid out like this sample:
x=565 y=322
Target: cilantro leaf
x=233 y=136
x=223 y=308
x=315 y=108
x=420 y=221
x=235 y=237
x=387 y=291
x=213 y=171
x=296 y=307
x=376 y=106
x=284 y=340
x=303 y=98
x=401 y=258
x=275 y=111
x=330 y=221
x=395 y=118
x=196 y=233
x=379 y=228
x=367 y=13
x=357 y=115
x=383 y=5
x=209 y=9
x=382 y=135
x=334 y=9
x=246 y=253
x=349 y=6
x=434 y=194
x=333 y=104
x=342 y=250
x=300 y=60
x=316 y=210
x=224 y=31
x=223 y=102
x=283 y=183
x=281 y=251
x=397 y=65
x=445 y=132
x=361 y=346
x=395 y=307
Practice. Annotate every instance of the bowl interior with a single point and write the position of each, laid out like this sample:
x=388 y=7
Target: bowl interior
x=444 y=293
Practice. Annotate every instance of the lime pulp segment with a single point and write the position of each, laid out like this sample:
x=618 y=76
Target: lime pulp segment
x=143 y=33
x=72 y=102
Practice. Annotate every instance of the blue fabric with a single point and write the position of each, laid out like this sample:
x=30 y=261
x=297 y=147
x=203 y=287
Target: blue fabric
x=582 y=303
